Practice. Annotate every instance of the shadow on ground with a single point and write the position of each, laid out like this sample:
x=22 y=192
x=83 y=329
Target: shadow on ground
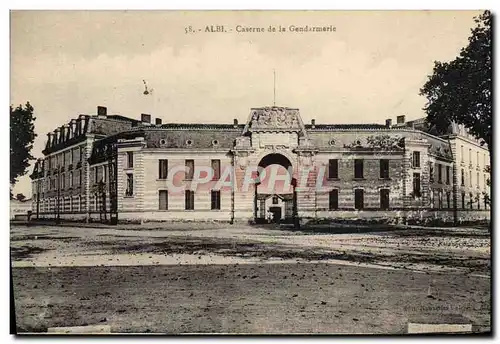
x=396 y=230
x=23 y=252
x=265 y=251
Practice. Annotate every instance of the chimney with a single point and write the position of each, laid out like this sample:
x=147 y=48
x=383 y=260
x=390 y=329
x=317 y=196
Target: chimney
x=72 y=125
x=313 y=123
x=388 y=123
x=158 y=121
x=49 y=139
x=57 y=135
x=102 y=111
x=145 y=118
x=235 y=123
x=400 y=119
x=66 y=130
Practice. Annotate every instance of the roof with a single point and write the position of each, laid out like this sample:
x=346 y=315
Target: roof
x=122 y=118
x=344 y=126
x=201 y=126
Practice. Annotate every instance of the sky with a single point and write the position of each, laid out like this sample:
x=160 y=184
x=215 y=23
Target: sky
x=66 y=63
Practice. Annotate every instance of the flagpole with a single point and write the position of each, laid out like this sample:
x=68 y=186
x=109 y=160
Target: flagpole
x=274 y=87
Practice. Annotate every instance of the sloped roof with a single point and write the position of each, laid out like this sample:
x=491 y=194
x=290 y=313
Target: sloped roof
x=344 y=126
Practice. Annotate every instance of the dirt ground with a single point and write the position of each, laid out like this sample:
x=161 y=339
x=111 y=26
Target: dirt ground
x=189 y=278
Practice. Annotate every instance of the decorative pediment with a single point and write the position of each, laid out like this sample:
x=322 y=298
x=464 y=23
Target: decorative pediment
x=275 y=119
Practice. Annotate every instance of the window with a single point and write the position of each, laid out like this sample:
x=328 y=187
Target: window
x=104 y=173
x=189 y=169
x=448 y=200
x=333 y=168
x=416 y=184
x=130 y=159
x=71 y=179
x=470 y=156
x=215 y=200
x=463 y=177
x=130 y=185
x=162 y=169
x=416 y=160
x=333 y=202
x=477 y=180
x=470 y=178
x=448 y=175
x=275 y=199
x=189 y=200
x=80 y=177
x=431 y=172
x=71 y=157
x=98 y=174
x=216 y=169
x=76 y=155
x=384 y=168
x=440 y=199
x=384 y=198
x=358 y=168
x=471 y=199
x=433 y=200
x=358 y=198
x=163 y=199
x=440 y=173
x=463 y=200
x=62 y=181
x=478 y=201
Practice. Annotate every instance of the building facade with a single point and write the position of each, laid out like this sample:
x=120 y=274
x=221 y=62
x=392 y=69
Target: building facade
x=273 y=166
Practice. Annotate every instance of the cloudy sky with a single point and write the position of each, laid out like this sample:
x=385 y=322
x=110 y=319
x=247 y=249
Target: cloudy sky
x=371 y=68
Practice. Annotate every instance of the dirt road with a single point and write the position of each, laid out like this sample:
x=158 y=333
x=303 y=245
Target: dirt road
x=248 y=280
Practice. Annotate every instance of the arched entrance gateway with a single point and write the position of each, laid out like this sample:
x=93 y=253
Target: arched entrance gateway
x=274 y=192
x=273 y=142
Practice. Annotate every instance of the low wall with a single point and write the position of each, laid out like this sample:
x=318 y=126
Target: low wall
x=424 y=216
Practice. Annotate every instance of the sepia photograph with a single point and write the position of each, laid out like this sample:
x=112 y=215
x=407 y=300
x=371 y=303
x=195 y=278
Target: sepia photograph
x=251 y=172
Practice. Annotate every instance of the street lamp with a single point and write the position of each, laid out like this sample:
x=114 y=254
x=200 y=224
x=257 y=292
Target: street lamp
x=295 y=217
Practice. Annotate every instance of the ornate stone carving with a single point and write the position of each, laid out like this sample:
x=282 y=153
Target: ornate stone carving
x=274 y=117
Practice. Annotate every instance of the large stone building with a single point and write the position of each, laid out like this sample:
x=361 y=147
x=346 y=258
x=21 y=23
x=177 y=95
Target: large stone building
x=110 y=167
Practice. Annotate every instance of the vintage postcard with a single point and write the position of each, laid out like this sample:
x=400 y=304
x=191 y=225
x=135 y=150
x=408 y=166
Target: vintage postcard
x=250 y=172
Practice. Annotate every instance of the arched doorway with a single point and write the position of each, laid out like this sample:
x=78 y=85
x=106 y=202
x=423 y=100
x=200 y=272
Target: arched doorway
x=274 y=199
